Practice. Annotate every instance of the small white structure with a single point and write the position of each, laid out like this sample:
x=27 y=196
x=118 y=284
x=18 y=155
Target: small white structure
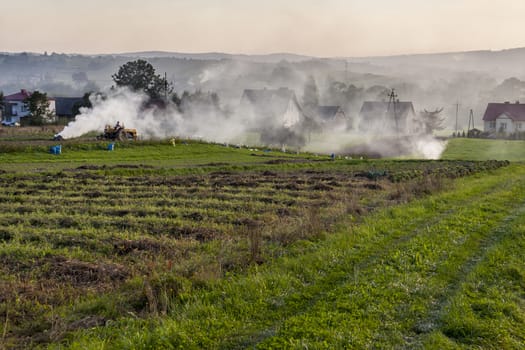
x=16 y=109
x=504 y=118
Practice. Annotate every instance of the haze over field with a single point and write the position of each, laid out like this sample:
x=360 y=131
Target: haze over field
x=355 y=51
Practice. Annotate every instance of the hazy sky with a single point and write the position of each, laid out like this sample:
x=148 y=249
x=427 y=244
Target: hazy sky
x=312 y=27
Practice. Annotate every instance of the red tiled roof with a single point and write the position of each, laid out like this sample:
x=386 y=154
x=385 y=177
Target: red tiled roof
x=19 y=96
x=515 y=111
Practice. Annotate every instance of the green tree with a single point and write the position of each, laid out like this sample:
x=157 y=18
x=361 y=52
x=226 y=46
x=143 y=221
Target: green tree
x=38 y=106
x=432 y=120
x=140 y=76
x=84 y=103
x=310 y=97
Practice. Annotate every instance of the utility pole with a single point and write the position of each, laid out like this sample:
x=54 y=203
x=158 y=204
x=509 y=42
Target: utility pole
x=470 y=120
x=457 y=110
x=393 y=100
x=165 y=87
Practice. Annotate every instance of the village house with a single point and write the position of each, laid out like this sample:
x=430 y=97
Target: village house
x=331 y=117
x=504 y=118
x=391 y=118
x=277 y=107
x=16 y=109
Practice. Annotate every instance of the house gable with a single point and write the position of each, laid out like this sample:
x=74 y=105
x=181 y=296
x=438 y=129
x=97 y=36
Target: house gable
x=271 y=106
x=381 y=116
x=16 y=107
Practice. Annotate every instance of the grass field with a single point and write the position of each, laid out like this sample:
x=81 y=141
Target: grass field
x=483 y=149
x=441 y=272
x=205 y=246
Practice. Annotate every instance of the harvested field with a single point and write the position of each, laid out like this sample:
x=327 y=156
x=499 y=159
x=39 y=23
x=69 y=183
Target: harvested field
x=85 y=235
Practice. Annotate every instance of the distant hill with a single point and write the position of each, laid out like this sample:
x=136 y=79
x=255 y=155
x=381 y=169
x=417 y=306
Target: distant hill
x=507 y=62
x=430 y=81
x=268 y=58
x=500 y=62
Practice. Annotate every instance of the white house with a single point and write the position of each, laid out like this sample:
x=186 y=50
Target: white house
x=278 y=107
x=505 y=118
x=16 y=109
x=397 y=117
x=331 y=118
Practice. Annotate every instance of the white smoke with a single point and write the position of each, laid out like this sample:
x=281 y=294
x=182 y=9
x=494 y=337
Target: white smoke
x=350 y=143
x=204 y=123
x=128 y=108
x=429 y=147
x=121 y=105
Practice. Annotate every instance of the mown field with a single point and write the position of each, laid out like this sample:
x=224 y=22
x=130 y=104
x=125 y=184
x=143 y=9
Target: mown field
x=482 y=149
x=207 y=246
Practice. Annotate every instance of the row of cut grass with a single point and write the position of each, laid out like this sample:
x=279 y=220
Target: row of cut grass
x=383 y=284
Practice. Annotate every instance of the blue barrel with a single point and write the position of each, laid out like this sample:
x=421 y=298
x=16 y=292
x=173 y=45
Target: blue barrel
x=111 y=146
x=55 y=149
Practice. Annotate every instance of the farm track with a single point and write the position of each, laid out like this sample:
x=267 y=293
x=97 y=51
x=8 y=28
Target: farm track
x=496 y=236
x=389 y=254
x=366 y=261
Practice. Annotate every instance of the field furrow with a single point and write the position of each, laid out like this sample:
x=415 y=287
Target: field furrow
x=405 y=277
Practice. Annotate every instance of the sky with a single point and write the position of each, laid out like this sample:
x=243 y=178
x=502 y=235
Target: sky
x=322 y=28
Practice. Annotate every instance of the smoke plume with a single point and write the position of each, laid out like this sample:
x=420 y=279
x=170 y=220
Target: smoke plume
x=129 y=109
x=198 y=120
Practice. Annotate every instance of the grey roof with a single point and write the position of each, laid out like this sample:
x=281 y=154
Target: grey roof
x=64 y=105
x=270 y=102
x=328 y=112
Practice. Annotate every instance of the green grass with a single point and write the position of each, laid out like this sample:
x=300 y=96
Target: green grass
x=483 y=149
x=206 y=246
x=157 y=154
x=442 y=272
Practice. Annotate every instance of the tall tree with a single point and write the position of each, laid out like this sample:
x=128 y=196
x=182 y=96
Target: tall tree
x=432 y=120
x=38 y=106
x=84 y=103
x=140 y=76
x=310 y=97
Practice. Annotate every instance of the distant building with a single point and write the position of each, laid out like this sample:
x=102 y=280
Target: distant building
x=16 y=109
x=389 y=118
x=504 y=118
x=277 y=107
x=331 y=117
x=66 y=106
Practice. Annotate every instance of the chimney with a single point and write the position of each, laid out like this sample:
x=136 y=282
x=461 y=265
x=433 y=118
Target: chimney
x=23 y=91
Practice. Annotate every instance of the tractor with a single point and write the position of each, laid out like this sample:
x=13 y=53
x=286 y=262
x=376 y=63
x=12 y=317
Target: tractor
x=118 y=133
